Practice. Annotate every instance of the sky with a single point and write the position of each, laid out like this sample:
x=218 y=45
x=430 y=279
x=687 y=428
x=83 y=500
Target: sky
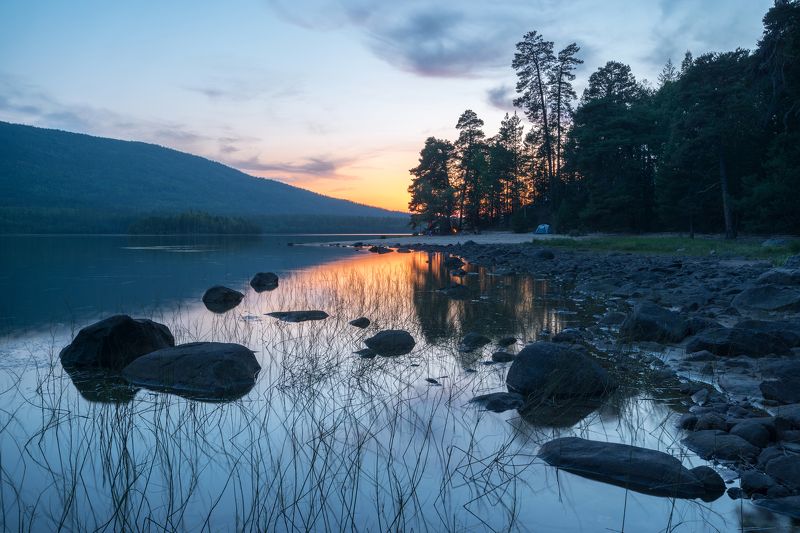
x=333 y=96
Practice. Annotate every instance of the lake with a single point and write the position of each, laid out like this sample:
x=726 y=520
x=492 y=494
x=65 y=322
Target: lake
x=326 y=440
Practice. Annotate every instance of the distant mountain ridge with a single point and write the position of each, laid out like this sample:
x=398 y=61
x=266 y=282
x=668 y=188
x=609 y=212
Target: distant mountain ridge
x=44 y=170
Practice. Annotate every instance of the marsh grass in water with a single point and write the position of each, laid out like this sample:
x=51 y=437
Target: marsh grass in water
x=327 y=441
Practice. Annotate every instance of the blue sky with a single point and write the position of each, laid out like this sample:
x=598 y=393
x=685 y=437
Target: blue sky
x=333 y=96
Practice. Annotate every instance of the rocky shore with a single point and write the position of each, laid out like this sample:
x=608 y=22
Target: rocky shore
x=724 y=333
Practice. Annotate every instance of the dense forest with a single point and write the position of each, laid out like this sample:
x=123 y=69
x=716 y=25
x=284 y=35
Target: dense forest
x=713 y=147
x=59 y=182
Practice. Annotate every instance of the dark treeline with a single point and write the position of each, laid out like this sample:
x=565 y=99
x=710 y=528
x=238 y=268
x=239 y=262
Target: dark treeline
x=713 y=147
x=194 y=222
x=83 y=221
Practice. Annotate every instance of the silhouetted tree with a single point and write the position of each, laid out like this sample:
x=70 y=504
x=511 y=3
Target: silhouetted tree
x=432 y=194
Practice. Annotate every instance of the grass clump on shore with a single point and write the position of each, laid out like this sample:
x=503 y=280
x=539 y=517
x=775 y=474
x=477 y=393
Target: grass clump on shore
x=749 y=248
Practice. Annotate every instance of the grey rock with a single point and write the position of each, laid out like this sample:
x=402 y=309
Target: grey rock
x=264 y=281
x=544 y=369
x=298 y=316
x=785 y=390
x=768 y=298
x=499 y=402
x=219 y=299
x=711 y=444
x=473 y=341
x=544 y=255
x=786 y=470
x=452 y=262
x=755 y=433
x=114 y=342
x=568 y=335
x=203 y=370
x=711 y=421
x=506 y=341
x=649 y=322
x=780 y=276
x=502 y=356
x=755 y=482
x=361 y=322
x=729 y=342
x=391 y=342
x=613 y=318
x=639 y=469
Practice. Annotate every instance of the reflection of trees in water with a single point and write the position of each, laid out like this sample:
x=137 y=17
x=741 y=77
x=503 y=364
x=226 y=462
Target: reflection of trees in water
x=509 y=305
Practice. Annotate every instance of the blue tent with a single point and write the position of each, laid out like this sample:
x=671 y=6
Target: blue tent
x=543 y=229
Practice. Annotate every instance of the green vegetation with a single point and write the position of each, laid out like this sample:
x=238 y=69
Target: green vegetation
x=713 y=148
x=662 y=244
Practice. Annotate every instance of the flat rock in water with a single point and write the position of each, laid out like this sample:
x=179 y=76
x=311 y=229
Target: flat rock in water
x=211 y=371
x=730 y=342
x=473 y=341
x=499 y=402
x=502 y=356
x=639 y=469
x=264 y=281
x=712 y=444
x=115 y=342
x=391 y=343
x=649 y=322
x=298 y=316
x=506 y=341
x=548 y=370
x=219 y=299
x=361 y=322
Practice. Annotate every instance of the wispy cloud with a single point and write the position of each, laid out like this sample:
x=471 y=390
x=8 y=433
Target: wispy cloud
x=321 y=167
x=501 y=97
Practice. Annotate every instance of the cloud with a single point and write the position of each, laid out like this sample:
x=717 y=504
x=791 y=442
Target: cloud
x=27 y=104
x=475 y=38
x=243 y=90
x=319 y=166
x=501 y=97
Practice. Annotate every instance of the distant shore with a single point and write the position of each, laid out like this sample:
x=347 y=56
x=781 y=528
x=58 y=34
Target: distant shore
x=493 y=237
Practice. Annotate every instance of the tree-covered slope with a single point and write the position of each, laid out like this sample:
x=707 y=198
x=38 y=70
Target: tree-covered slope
x=42 y=169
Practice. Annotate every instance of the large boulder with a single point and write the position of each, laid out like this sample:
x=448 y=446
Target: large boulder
x=298 y=316
x=730 y=342
x=768 y=298
x=780 y=276
x=391 y=343
x=114 y=342
x=639 y=469
x=784 y=390
x=786 y=470
x=264 y=281
x=219 y=299
x=787 y=330
x=211 y=371
x=649 y=322
x=711 y=444
x=548 y=370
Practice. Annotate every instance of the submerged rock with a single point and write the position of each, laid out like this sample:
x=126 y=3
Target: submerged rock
x=219 y=299
x=452 y=262
x=298 y=316
x=473 y=341
x=789 y=505
x=639 y=469
x=456 y=292
x=499 y=402
x=548 y=370
x=361 y=322
x=391 y=343
x=506 y=341
x=114 y=342
x=649 y=322
x=211 y=371
x=501 y=356
x=264 y=281
x=366 y=353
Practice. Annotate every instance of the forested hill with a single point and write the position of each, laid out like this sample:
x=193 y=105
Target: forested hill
x=49 y=173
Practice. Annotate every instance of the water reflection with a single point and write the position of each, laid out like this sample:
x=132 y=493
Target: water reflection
x=326 y=440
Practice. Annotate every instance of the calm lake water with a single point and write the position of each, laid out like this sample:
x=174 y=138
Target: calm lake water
x=325 y=440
